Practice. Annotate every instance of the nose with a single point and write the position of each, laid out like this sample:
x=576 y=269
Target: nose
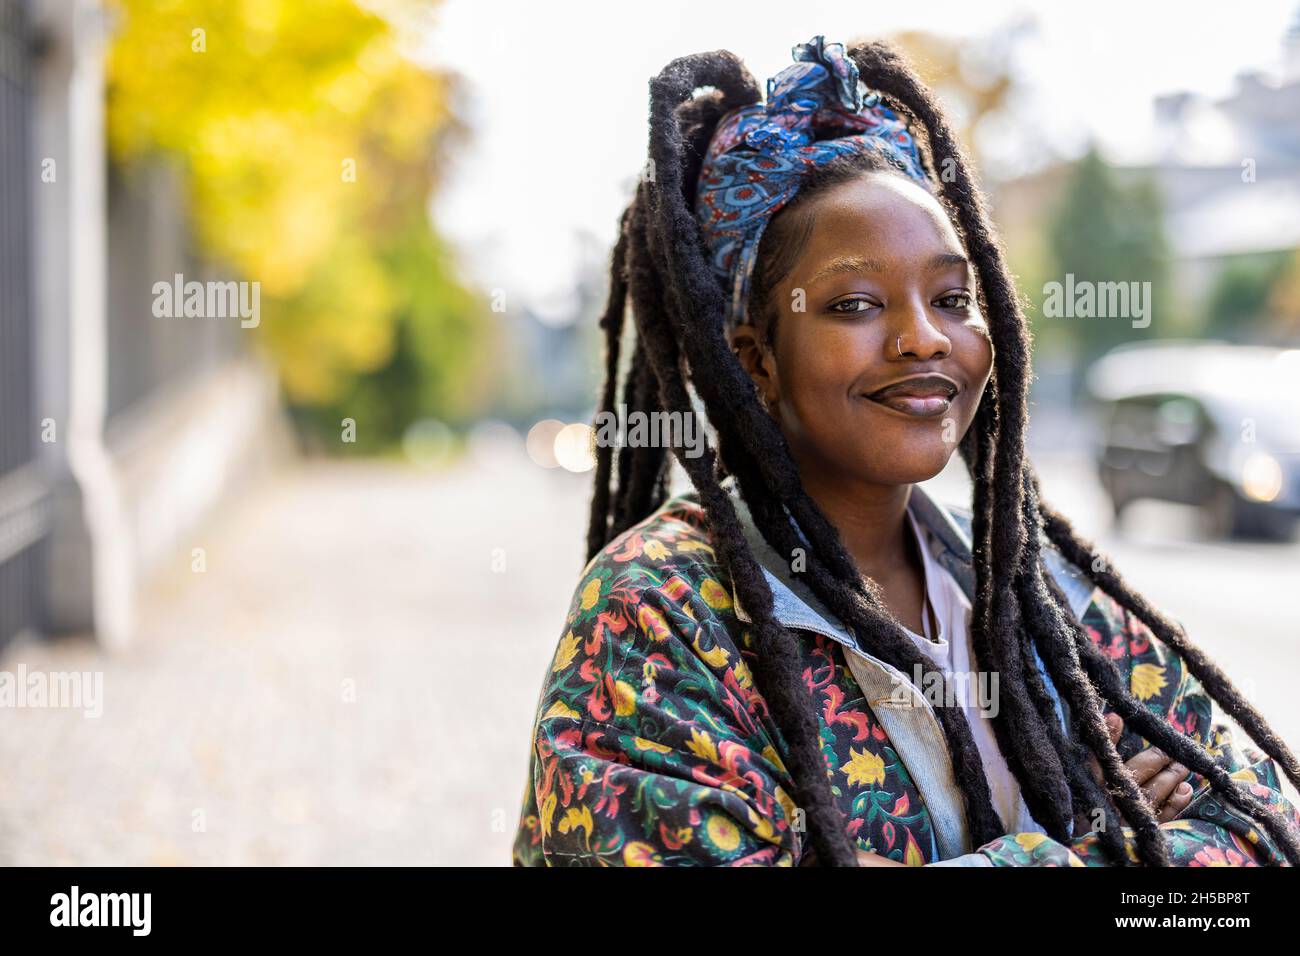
x=916 y=337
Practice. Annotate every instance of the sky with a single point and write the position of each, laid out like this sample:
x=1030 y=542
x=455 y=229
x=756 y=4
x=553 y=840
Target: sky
x=556 y=98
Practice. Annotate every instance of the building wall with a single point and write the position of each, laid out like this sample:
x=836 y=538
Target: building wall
x=121 y=432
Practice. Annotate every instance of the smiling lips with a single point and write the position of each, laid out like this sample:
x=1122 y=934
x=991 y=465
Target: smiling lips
x=923 y=396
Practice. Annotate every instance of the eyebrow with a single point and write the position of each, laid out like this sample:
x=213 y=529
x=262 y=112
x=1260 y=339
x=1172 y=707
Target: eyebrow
x=846 y=265
x=854 y=265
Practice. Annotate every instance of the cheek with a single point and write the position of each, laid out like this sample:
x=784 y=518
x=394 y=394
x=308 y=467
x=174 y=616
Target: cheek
x=815 y=374
x=974 y=354
x=811 y=368
x=976 y=359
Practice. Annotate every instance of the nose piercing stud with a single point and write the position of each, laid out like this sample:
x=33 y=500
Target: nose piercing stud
x=898 y=344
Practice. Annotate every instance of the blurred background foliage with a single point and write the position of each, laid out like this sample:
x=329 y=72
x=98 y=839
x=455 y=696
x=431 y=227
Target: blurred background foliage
x=970 y=87
x=1098 y=222
x=1103 y=230
x=311 y=147
x=1251 y=287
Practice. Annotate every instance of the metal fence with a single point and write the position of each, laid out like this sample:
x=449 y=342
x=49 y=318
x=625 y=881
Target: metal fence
x=21 y=492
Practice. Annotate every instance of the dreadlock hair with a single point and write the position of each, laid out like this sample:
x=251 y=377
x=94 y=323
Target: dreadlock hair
x=681 y=352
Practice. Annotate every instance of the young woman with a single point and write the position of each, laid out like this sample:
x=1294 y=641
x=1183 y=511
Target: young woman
x=805 y=659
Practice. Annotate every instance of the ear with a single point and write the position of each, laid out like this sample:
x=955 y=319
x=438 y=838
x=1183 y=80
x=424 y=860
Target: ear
x=758 y=359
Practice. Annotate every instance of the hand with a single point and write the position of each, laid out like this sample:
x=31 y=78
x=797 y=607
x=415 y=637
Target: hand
x=864 y=859
x=874 y=859
x=1160 y=779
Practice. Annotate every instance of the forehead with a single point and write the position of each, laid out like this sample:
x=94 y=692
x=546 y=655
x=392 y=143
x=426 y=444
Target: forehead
x=880 y=215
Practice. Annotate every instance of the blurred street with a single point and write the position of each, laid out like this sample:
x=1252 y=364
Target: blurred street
x=352 y=679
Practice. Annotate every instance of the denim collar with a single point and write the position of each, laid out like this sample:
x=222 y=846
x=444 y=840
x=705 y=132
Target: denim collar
x=908 y=718
x=947 y=532
x=948 y=536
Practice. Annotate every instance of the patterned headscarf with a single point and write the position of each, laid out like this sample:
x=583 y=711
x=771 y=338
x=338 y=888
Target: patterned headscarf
x=760 y=155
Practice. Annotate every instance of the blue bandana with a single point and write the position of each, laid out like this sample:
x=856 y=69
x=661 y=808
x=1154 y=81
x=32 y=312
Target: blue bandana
x=760 y=155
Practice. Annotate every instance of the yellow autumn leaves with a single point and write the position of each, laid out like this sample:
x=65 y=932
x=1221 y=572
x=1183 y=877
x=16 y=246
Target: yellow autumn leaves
x=308 y=145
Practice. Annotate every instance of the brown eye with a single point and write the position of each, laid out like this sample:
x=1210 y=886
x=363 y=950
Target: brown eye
x=850 y=306
x=955 y=300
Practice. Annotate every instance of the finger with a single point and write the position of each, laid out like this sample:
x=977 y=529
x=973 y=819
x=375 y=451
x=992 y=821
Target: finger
x=866 y=858
x=1147 y=764
x=1115 y=727
x=1177 y=802
x=1159 y=787
x=1115 y=724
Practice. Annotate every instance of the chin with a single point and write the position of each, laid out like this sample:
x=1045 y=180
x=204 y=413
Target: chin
x=903 y=449
x=917 y=464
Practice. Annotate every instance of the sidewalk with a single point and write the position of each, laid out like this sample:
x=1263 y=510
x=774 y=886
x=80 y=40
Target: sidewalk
x=349 y=682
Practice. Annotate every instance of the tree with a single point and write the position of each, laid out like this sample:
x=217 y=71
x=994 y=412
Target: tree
x=311 y=146
x=1239 y=302
x=1104 y=231
x=1284 y=301
x=975 y=89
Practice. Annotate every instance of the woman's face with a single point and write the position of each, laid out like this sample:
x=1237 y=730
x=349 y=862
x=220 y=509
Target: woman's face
x=881 y=353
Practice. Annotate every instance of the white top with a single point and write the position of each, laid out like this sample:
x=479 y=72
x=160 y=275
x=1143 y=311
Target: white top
x=977 y=694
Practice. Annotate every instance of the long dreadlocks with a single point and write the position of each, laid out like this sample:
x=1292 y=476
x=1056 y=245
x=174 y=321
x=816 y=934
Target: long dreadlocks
x=681 y=352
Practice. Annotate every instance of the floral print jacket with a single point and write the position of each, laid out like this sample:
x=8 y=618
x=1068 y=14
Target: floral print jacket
x=653 y=747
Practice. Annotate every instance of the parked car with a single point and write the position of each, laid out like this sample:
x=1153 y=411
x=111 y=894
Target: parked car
x=1206 y=424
